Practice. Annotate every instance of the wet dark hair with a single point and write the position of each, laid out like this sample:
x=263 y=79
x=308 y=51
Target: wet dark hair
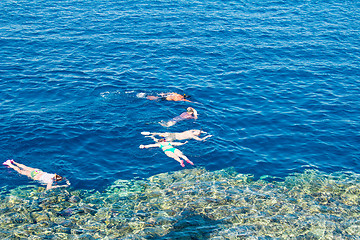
x=186 y=96
x=58 y=178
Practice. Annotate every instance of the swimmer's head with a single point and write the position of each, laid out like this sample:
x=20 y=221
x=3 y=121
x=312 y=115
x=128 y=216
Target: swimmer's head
x=190 y=110
x=162 y=140
x=186 y=96
x=58 y=178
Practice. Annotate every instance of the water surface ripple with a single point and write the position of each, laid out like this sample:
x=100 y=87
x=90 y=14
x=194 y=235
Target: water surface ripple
x=276 y=83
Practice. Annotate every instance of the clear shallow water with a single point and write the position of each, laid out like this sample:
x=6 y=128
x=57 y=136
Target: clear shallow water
x=277 y=84
x=191 y=204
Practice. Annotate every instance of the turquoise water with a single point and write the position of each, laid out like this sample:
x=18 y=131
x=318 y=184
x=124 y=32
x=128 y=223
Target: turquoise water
x=276 y=84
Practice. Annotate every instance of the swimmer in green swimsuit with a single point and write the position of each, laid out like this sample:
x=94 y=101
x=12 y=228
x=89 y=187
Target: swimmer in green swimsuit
x=36 y=174
x=169 y=150
x=167 y=147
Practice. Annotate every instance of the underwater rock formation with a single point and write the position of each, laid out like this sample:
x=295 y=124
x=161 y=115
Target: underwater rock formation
x=190 y=204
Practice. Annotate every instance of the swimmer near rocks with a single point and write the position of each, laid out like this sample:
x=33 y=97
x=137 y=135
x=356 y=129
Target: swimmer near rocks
x=44 y=178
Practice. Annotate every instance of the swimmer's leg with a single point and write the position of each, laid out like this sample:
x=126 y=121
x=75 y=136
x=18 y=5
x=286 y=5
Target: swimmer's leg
x=167 y=124
x=171 y=123
x=7 y=162
x=174 y=156
x=180 y=154
x=21 y=171
x=141 y=95
x=152 y=97
x=26 y=168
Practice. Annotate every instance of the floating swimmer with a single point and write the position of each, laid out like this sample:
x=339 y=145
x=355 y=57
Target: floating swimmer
x=36 y=174
x=190 y=113
x=190 y=134
x=169 y=150
x=170 y=97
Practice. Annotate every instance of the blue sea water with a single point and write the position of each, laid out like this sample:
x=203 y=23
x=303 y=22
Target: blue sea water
x=275 y=82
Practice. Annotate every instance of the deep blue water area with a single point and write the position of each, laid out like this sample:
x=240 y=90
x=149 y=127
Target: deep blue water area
x=275 y=82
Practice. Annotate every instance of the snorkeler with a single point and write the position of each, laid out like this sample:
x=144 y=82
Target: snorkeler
x=190 y=113
x=189 y=134
x=169 y=150
x=170 y=97
x=36 y=174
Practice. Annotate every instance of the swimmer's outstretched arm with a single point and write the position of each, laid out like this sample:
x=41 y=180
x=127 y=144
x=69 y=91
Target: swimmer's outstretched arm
x=149 y=145
x=50 y=186
x=57 y=186
x=201 y=139
x=178 y=143
x=165 y=134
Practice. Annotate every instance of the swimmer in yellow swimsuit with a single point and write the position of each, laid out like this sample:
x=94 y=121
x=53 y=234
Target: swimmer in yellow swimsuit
x=36 y=174
x=169 y=150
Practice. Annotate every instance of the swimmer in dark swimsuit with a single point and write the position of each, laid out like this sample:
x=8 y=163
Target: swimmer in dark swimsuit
x=169 y=97
x=36 y=174
x=169 y=150
x=190 y=113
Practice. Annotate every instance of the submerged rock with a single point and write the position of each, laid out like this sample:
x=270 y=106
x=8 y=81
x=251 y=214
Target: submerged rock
x=192 y=203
